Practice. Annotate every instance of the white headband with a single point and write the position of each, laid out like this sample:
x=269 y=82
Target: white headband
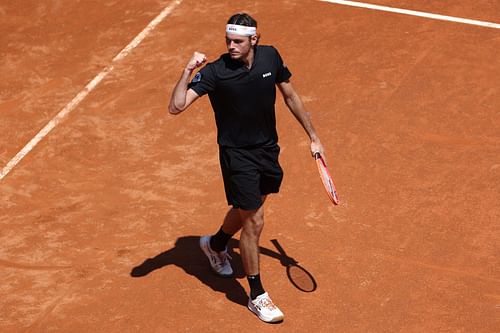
x=241 y=30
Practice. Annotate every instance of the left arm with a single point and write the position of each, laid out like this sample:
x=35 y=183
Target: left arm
x=294 y=103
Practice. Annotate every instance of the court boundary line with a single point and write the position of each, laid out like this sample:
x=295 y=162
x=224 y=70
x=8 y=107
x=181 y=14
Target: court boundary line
x=87 y=89
x=415 y=13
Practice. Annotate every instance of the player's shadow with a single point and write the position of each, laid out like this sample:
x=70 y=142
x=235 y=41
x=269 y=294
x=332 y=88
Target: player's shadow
x=187 y=255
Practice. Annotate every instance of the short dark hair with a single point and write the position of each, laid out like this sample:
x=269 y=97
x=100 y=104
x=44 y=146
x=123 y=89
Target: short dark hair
x=242 y=19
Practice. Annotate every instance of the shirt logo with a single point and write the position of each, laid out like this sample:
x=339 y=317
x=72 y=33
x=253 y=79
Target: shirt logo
x=267 y=74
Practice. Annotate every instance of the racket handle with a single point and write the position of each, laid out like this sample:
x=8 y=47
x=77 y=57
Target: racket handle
x=317 y=155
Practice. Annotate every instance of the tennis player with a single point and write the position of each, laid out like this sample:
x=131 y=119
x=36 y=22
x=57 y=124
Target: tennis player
x=241 y=85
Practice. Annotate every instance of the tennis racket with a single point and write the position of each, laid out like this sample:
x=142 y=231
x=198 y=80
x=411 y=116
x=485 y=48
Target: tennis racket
x=331 y=191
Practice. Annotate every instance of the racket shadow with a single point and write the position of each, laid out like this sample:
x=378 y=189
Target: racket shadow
x=300 y=278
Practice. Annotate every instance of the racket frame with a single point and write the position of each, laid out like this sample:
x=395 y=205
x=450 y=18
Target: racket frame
x=327 y=183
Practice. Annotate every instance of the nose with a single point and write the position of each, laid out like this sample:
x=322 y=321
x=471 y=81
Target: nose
x=230 y=45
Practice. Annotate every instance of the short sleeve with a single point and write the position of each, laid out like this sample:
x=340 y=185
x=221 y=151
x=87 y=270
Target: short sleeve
x=283 y=73
x=203 y=82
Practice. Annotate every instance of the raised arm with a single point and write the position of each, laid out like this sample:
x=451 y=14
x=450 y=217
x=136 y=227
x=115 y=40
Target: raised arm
x=294 y=103
x=182 y=97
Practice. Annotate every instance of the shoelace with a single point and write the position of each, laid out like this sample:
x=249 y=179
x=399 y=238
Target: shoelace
x=265 y=302
x=220 y=259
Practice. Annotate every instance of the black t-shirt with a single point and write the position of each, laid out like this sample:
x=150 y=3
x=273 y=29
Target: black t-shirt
x=243 y=99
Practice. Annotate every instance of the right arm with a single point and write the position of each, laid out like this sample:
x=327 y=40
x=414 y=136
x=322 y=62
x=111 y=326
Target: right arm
x=182 y=97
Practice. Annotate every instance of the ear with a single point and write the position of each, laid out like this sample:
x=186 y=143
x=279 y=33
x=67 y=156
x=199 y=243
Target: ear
x=254 y=39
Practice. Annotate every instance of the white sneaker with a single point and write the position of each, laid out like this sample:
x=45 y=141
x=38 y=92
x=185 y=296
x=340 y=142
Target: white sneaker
x=218 y=261
x=265 y=309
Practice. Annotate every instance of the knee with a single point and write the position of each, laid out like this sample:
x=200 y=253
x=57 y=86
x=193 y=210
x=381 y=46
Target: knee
x=258 y=222
x=254 y=224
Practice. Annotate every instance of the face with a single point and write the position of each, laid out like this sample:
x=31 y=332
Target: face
x=239 y=46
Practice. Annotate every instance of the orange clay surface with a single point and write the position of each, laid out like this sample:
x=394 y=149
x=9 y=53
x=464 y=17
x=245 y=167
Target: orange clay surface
x=99 y=223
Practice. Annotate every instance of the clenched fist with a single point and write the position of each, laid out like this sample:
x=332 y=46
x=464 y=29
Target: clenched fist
x=197 y=60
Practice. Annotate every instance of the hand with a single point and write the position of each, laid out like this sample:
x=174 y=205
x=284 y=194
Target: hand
x=197 y=60
x=317 y=147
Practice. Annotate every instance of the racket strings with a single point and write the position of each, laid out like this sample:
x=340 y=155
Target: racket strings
x=326 y=180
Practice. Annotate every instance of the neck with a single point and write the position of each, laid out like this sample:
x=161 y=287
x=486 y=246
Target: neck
x=248 y=60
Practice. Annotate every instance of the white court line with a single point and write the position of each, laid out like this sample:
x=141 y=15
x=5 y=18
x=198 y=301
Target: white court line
x=415 y=13
x=88 y=88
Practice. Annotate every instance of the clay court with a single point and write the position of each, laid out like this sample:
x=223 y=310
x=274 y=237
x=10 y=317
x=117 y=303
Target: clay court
x=100 y=218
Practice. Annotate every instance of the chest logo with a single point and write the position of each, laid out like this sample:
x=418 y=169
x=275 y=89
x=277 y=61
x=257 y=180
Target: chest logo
x=267 y=74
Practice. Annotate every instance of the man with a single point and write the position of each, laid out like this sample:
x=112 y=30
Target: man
x=241 y=86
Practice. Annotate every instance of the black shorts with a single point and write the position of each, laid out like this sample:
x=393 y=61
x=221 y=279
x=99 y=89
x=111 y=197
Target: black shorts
x=249 y=174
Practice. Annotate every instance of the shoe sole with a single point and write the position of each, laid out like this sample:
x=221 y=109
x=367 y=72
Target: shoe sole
x=266 y=320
